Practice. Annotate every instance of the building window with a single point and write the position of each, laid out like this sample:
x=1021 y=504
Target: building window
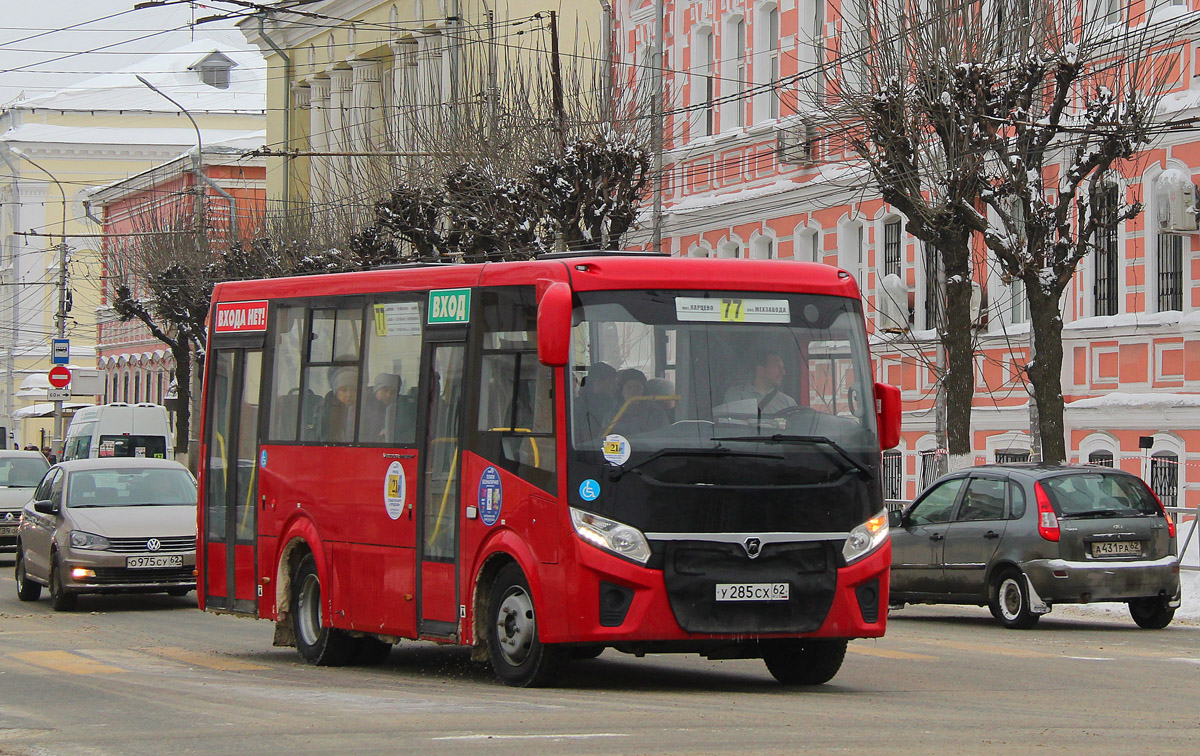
x=930 y=467
x=1106 y=253
x=891 y=248
x=1101 y=458
x=739 y=36
x=1170 y=272
x=1164 y=477
x=773 y=62
x=707 y=83
x=893 y=475
x=1005 y=456
x=933 y=286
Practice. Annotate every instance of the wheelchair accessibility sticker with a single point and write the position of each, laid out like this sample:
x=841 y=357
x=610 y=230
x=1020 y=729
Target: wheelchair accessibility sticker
x=589 y=490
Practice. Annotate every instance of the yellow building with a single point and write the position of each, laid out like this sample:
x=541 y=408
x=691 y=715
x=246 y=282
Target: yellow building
x=57 y=146
x=361 y=92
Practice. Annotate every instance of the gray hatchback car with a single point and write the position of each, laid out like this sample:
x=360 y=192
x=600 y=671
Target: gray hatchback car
x=108 y=525
x=1021 y=538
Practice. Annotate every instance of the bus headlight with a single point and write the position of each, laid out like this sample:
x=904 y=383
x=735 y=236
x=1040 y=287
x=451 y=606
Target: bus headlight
x=866 y=538
x=620 y=539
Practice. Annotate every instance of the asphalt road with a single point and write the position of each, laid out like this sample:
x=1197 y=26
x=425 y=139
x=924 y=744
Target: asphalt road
x=152 y=675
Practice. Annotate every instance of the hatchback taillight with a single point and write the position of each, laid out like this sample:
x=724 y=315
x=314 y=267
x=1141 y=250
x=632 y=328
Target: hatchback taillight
x=1163 y=509
x=1047 y=520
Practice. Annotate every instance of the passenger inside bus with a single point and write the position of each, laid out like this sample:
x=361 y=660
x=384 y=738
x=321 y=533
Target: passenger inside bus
x=387 y=416
x=597 y=402
x=340 y=404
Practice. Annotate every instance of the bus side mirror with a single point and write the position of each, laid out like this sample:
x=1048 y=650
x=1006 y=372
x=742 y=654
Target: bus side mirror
x=887 y=414
x=554 y=325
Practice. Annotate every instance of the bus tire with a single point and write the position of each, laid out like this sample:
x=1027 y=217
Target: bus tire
x=812 y=661
x=517 y=655
x=317 y=644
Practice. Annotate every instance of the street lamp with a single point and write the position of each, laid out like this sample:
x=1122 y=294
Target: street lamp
x=61 y=316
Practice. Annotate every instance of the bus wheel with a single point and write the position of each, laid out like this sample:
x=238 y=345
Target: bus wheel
x=805 y=662
x=517 y=656
x=320 y=645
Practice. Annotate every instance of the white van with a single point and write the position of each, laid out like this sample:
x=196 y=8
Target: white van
x=119 y=430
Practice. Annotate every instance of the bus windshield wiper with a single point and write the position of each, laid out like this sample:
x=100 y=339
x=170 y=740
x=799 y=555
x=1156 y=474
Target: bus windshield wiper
x=784 y=438
x=681 y=452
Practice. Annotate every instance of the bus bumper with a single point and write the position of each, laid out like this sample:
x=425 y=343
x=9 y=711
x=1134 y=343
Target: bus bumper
x=616 y=601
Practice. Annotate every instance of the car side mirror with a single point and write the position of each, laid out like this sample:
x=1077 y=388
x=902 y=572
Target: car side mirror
x=895 y=517
x=45 y=507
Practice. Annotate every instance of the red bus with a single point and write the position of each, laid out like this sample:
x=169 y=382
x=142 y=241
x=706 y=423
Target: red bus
x=545 y=459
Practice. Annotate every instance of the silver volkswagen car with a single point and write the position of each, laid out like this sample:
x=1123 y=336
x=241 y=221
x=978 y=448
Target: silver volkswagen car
x=1021 y=538
x=20 y=472
x=110 y=525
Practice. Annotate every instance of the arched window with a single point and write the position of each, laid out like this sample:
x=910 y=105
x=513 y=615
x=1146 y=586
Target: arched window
x=704 y=81
x=808 y=245
x=137 y=386
x=1004 y=456
x=762 y=248
x=1164 y=477
x=893 y=474
x=125 y=387
x=852 y=251
x=1101 y=458
x=1106 y=257
x=729 y=248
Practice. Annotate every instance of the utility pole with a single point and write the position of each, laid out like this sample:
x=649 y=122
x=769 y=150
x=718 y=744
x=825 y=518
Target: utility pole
x=656 y=125
x=60 y=317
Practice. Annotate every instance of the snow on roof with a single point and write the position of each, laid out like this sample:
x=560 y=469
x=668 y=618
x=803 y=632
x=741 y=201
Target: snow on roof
x=97 y=135
x=1141 y=401
x=170 y=72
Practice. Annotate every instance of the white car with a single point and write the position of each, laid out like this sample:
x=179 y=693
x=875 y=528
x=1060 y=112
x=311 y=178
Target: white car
x=115 y=525
x=20 y=473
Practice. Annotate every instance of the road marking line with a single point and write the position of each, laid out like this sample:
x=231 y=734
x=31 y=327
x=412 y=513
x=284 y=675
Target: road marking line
x=66 y=661
x=999 y=650
x=885 y=653
x=1090 y=658
x=209 y=661
x=565 y=736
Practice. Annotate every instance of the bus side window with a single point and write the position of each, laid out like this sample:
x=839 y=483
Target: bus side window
x=515 y=425
x=391 y=373
x=285 y=381
x=329 y=391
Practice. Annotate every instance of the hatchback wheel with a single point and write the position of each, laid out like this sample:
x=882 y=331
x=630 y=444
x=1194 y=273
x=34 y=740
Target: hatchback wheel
x=1151 y=613
x=1010 y=601
x=27 y=590
x=60 y=599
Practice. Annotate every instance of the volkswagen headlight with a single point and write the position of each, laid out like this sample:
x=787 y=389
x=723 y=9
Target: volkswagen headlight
x=83 y=540
x=866 y=537
x=610 y=535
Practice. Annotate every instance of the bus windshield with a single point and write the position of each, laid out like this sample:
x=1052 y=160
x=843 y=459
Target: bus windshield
x=675 y=369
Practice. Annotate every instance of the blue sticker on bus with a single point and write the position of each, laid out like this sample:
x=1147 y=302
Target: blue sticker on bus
x=262 y=459
x=589 y=490
x=491 y=496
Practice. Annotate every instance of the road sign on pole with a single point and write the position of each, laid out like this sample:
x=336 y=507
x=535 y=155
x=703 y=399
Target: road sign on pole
x=59 y=376
x=58 y=394
x=61 y=353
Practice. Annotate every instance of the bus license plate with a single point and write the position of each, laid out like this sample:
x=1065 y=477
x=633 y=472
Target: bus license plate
x=752 y=591
x=150 y=562
x=1116 y=548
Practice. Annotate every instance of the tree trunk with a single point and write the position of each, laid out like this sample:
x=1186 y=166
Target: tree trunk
x=958 y=336
x=1045 y=372
x=183 y=398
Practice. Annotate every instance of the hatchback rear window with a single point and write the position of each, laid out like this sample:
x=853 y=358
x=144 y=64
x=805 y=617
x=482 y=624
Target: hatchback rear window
x=1099 y=495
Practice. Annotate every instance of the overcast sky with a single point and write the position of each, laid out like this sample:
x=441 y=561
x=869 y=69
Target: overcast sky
x=39 y=53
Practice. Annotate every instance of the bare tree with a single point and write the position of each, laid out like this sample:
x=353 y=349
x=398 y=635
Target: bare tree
x=1075 y=98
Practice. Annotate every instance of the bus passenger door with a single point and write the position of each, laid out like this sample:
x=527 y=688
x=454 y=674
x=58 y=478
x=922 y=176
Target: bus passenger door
x=231 y=482
x=441 y=460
